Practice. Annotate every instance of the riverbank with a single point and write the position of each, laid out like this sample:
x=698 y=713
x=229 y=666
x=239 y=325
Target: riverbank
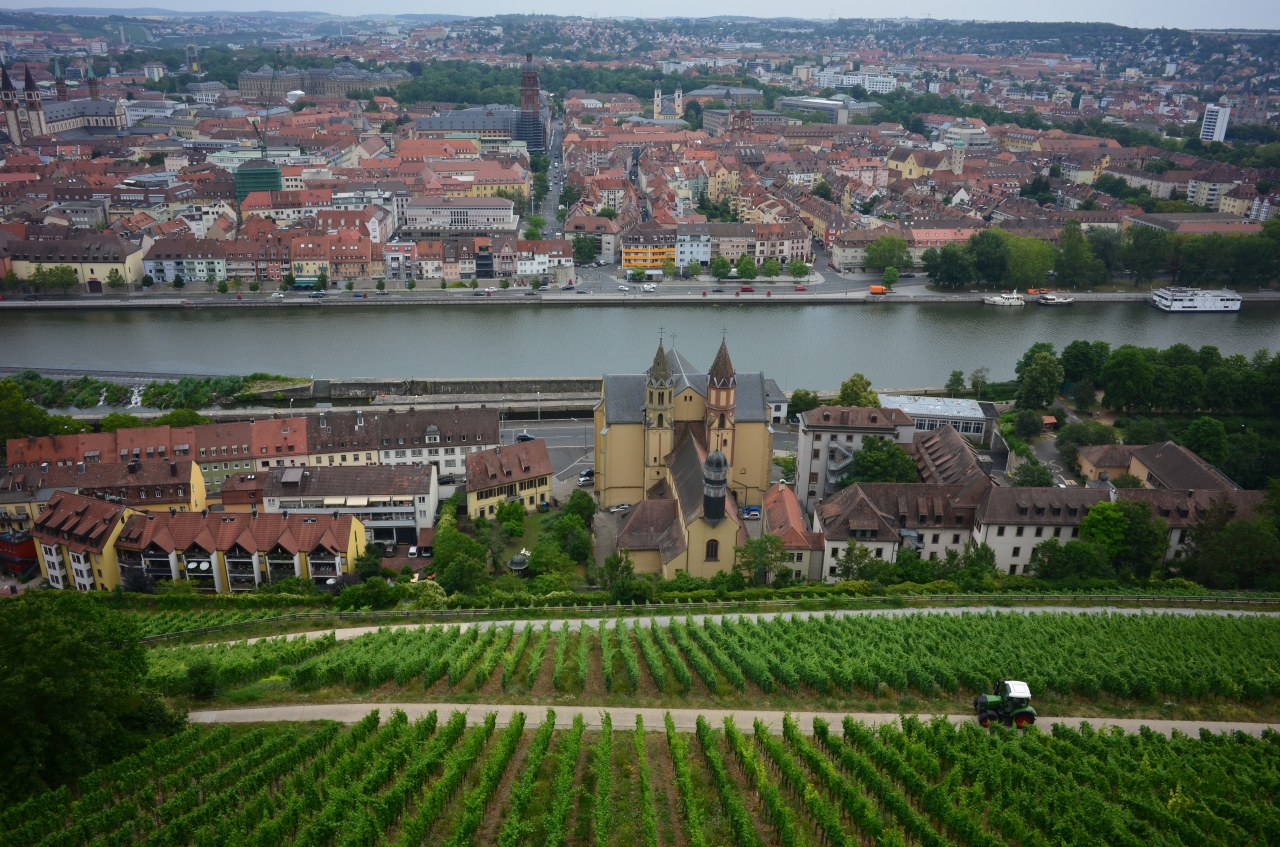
x=763 y=295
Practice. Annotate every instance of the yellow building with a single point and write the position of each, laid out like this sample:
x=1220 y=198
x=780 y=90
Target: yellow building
x=650 y=245
x=75 y=541
x=91 y=257
x=661 y=438
x=520 y=471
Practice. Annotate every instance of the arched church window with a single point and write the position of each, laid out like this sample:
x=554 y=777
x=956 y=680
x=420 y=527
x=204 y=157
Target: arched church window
x=713 y=550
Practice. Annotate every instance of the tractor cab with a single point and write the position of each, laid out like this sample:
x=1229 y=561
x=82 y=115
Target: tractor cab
x=1016 y=694
x=1010 y=705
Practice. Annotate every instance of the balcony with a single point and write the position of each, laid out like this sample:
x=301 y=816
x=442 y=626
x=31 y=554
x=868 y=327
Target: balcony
x=323 y=567
x=839 y=458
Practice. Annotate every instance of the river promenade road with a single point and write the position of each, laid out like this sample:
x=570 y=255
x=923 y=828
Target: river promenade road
x=685 y=719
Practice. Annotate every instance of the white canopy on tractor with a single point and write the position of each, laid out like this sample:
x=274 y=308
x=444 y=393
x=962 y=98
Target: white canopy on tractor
x=1018 y=689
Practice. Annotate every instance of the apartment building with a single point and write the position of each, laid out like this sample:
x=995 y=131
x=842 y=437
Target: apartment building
x=393 y=502
x=650 y=245
x=514 y=472
x=972 y=419
x=225 y=553
x=75 y=537
x=828 y=438
x=440 y=438
x=142 y=485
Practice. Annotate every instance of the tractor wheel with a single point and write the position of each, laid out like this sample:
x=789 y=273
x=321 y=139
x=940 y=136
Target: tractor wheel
x=986 y=718
x=1007 y=720
x=1024 y=720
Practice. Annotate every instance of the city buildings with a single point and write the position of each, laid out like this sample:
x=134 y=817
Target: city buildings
x=511 y=473
x=1214 y=124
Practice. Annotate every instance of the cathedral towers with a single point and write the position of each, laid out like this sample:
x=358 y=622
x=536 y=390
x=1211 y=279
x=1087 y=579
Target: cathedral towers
x=659 y=411
x=722 y=398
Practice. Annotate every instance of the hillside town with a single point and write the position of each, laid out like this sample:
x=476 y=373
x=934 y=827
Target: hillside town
x=119 y=179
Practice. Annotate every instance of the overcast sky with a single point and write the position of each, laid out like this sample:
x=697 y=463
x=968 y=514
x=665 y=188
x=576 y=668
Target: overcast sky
x=1252 y=14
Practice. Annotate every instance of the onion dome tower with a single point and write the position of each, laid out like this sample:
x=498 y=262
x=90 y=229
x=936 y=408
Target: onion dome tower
x=715 y=487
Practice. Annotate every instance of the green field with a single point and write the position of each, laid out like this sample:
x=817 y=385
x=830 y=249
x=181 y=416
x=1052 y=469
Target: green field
x=939 y=661
x=437 y=781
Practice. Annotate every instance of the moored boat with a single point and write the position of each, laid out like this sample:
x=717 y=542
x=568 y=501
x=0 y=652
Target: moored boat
x=1005 y=298
x=1051 y=299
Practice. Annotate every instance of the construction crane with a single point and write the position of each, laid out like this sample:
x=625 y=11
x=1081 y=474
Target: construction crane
x=262 y=141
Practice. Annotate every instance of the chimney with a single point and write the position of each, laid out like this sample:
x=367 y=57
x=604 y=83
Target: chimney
x=44 y=467
x=173 y=510
x=79 y=468
x=253 y=511
x=204 y=513
x=285 y=514
x=173 y=468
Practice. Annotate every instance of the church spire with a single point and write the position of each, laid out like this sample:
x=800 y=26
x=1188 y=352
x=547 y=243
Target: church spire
x=59 y=84
x=6 y=84
x=721 y=373
x=660 y=370
x=28 y=81
x=93 y=81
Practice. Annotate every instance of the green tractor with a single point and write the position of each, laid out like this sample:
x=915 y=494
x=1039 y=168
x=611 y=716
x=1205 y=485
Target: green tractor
x=1011 y=705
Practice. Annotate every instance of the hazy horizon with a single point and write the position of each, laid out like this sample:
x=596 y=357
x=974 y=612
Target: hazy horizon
x=1180 y=14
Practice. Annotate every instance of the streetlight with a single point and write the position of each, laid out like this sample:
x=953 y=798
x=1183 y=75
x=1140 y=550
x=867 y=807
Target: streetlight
x=539 y=405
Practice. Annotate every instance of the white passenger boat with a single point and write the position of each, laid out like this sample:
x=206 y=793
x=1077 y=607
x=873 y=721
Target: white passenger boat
x=1051 y=299
x=1005 y=298
x=1195 y=300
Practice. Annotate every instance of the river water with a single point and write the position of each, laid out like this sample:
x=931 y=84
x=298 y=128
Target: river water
x=896 y=345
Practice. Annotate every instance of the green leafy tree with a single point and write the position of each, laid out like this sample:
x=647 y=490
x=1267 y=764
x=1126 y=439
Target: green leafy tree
x=955 y=383
x=1084 y=360
x=882 y=460
x=990 y=251
x=856 y=391
x=115 y=279
x=771 y=269
x=119 y=420
x=1075 y=263
x=1028 y=423
x=858 y=562
x=148 y=281
x=1128 y=379
x=1031 y=475
x=802 y=401
x=823 y=190
x=369 y=563
x=1230 y=554
x=720 y=268
x=1084 y=395
x=888 y=251
x=952 y=266
x=909 y=567
x=350 y=285
x=580 y=504
x=693 y=270
x=584 y=249
x=322 y=280
x=178 y=282
x=409 y=284
x=73 y=683
x=463 y=575
x=1053 y=560
x=636 y=275
x=1073 y=436
x=798 y=270
x=223 y=288
x=747 y=267
x=618 y=576
x=1029 y=262
x=1040 y=382
x=1207 y=438
x=1106 y=525
x=762 y=559
x=1145 y=250
x=669 y=269
x=889 y=277
x=978 y=380
x=1145 y=539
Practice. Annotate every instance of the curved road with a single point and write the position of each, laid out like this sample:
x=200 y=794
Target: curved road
x=684 y=719
x=348 y=633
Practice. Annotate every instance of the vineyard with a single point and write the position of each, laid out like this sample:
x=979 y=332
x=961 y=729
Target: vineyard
x=784 y=659
x=438 y=781
x=167 y=622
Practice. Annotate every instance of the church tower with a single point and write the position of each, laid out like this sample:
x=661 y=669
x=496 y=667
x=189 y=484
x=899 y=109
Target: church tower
x=679 y=100
x=9 y=99
x=659 y=406
x=93 y=81
x=59 y=84
x=722 y=398
x=657 y=101
x=35 y=108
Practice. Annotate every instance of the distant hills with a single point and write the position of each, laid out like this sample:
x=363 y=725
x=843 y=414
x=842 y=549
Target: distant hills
x=149 y=11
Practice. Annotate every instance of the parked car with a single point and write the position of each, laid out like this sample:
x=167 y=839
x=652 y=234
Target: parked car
x=447 y=479
x=623 y=288
x=279 y=295
x=746 y=289
x=523 y=437
x=359 y=295
x=491 y=290
x=907 y=276
x=383 y=292
x=316 y=295
x=479 y=293
x=532 y=292
x=717 y=291
x=388 y=551
x=568 y=287
x=751 y=513
x=585 y=482
x=802 y=288
x=621 y=507
x=413 y=552
x=649 y=287
x=589 y=473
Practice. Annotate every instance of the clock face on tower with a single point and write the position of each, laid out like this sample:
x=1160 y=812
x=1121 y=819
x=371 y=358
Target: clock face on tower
x=22 y=113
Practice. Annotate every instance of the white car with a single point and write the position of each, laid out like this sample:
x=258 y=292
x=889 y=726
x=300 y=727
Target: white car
x=621 y=507
x=649 y=286
x=279 y=295
x=491 y=290
x=623 y=288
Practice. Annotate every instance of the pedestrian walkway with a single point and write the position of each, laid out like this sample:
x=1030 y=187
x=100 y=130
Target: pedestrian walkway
x=685 y=719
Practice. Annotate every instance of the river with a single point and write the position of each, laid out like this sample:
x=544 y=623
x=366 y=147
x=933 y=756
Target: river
x=896 y=345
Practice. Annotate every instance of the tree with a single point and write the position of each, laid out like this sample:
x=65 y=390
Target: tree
x=115 y=279
x=955 y=383
x=636 y=275
x=888 y=251
x=978 y=380
x=855 y=562
x=802 y=401
x=763 y=559
x=1029 y=261
x=693 y=270
x=882 y=460
x=747 y=267
x=1040 y=382
x=119 y=420
x=1073 y=436
x=73 y=684
x=1052 y=560
x=951 y=267
x=580 y=504
x=771 y=269
x=823 y=190
x=20 y=418
x=148 y=281
x=463 y=575
x=1084 y=360
x=409 y=284
x=990 y=251
x=1028 y=423
x=1084 y=395
x=584 y=249
x=178 y=281
x=669 y=269
x=889 y=277
x=369 y=563
x=720 y=268
x=856 y=391
x=1074 y=262
x=1145 y=539
x=1145 y=250
x=322 y=280
x=1106 y=246
x=223 y=288
x=606 y=212
x=618 y=577
x=909 y=567
x=1105 y=524
x=1128 y=380
x=798 y=269
x=1207 y=438
x=1031 y=474
x=1233 y=554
